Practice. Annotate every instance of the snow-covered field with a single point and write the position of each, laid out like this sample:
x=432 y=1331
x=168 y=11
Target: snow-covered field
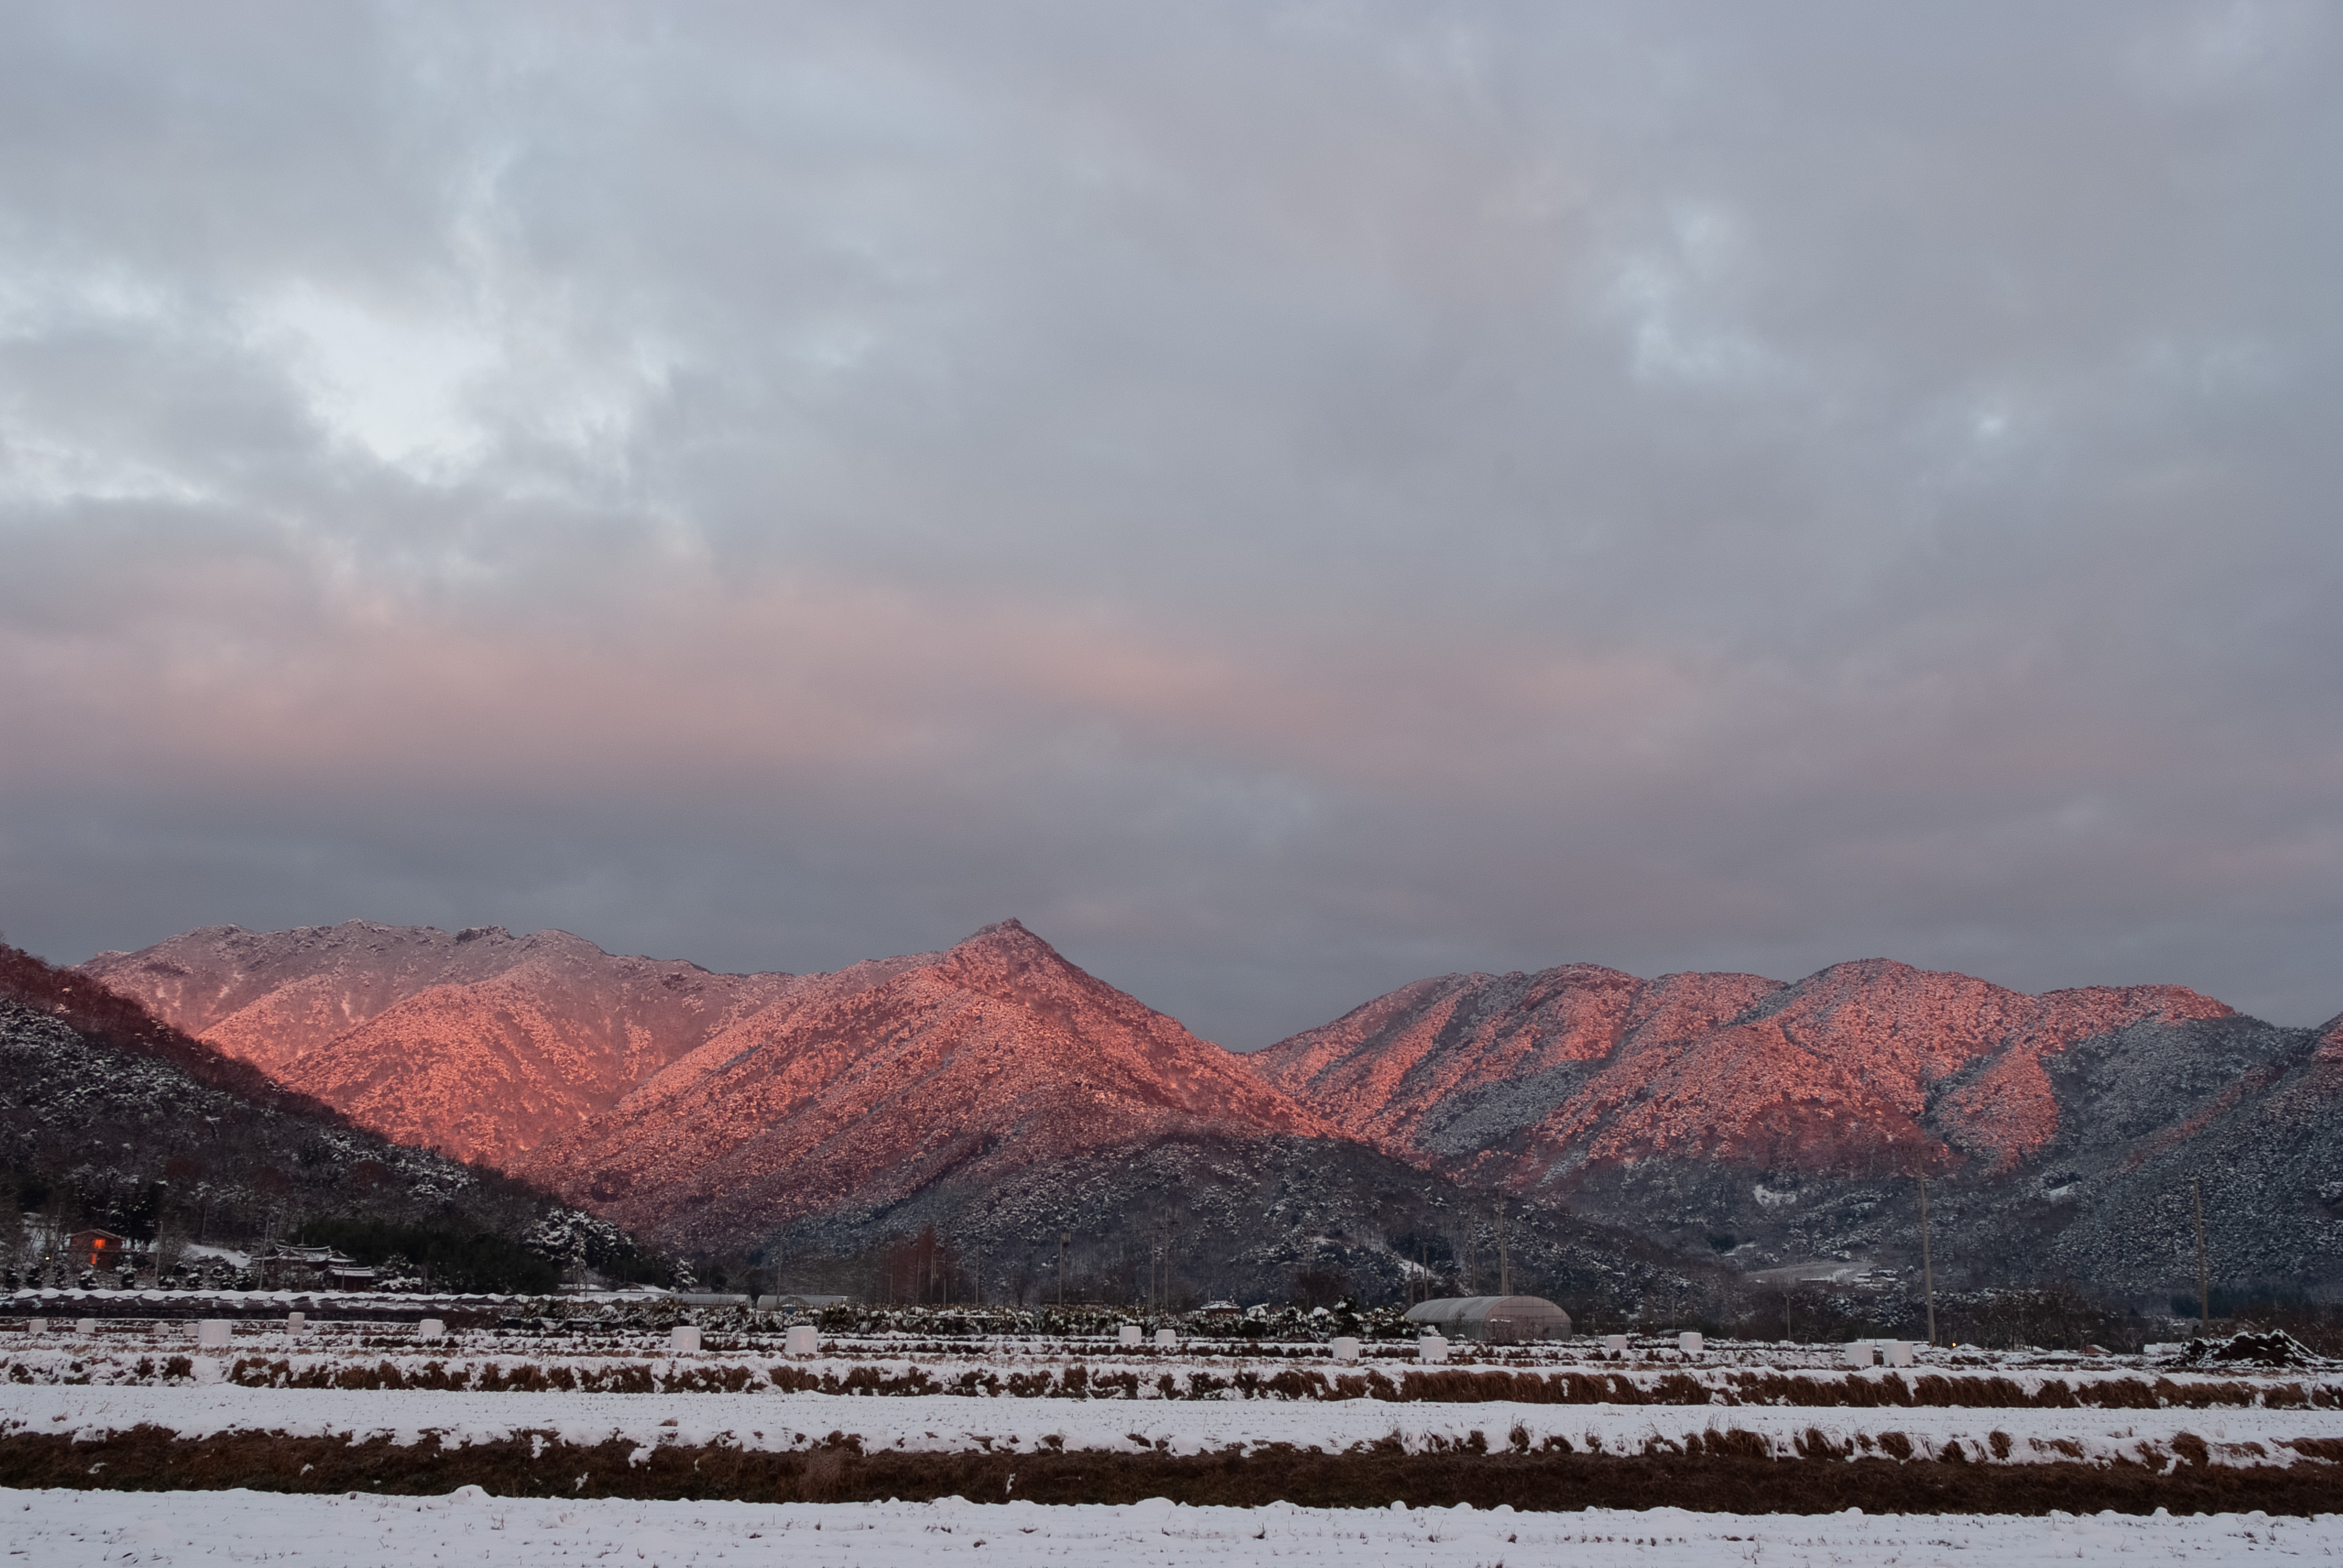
x=1016 y=1397
x=114 y=1350
x=775 y=1422
x=67 y=1529
x=1022 y=1395
x=153 y=1319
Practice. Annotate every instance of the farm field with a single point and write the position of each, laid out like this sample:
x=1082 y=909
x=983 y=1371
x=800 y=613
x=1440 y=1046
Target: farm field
x=762 y=1419
x=524 y=1408
x=58 y=1528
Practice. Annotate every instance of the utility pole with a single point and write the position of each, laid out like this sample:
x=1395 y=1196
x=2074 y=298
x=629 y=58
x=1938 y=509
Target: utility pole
x=1155 y=1270
x=1063 y=1238
x=2204 y=1275
x=1504 y=1258
x=1927 y=1266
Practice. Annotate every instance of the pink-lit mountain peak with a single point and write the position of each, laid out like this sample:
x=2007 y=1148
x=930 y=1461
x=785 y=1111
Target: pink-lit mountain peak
x=991 y=1055
x=477 y=1041
x=274 y=997
x=1009 y=963
x=1579 y=1064
x=494 y=1046
x=1002 y=1002
x=1860 y=1063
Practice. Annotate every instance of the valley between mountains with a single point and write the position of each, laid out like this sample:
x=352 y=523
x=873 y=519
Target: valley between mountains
x=1649 y=1136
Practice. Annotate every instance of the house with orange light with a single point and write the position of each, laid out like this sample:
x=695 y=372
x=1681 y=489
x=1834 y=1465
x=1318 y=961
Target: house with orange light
x=95 y=1249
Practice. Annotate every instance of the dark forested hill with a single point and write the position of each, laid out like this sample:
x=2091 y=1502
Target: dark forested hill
x=113 y=1118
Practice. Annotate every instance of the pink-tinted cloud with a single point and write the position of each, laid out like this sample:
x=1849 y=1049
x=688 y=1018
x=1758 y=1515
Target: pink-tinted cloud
x=1282 y=501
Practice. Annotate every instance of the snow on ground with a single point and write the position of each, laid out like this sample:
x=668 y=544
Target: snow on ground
x=772 y=1421
x=153 y=1318
x=114 y=1349
x=67 y=1529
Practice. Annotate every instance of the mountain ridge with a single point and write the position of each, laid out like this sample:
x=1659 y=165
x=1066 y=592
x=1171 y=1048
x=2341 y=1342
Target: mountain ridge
x=477 y=1042
x=1696 y=1109
x=1793 y=1129
x=1726 y=1065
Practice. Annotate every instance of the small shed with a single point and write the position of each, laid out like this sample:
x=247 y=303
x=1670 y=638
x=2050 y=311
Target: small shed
x=1493 y=1319
x=96 y=1248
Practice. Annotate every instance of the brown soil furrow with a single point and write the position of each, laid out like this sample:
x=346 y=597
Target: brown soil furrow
x=1727 y=1481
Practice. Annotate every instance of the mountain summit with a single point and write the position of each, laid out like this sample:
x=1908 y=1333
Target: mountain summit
x=962 y=1065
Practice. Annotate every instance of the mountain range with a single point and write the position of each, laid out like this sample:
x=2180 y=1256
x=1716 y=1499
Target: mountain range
x=1723 y=1120
x=1778 y=1122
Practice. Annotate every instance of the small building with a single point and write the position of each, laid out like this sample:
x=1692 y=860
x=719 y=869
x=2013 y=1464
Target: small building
x=1493 y=1319
x=96 y=1249
x=284 y=1268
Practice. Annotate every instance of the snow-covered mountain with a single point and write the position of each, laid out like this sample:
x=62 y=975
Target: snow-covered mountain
x=1785 y=1121
x=964 y=1066
x=1711 y=1113
x=1862 y=1066
x=110 y=1117
x=479 y=1042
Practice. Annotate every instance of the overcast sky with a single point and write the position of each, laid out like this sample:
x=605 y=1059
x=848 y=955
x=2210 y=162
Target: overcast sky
x=1285 y=499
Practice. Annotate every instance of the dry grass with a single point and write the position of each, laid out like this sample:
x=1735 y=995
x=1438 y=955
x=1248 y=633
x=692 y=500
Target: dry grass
x=1075 y=1381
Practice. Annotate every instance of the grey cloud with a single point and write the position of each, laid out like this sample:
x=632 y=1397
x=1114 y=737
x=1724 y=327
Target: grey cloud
x=1283 y=499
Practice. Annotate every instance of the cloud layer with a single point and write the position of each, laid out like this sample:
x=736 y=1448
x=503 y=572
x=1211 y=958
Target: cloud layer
x=1283 y=499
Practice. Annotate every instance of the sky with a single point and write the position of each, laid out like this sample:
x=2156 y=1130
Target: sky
x=1285 y=499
